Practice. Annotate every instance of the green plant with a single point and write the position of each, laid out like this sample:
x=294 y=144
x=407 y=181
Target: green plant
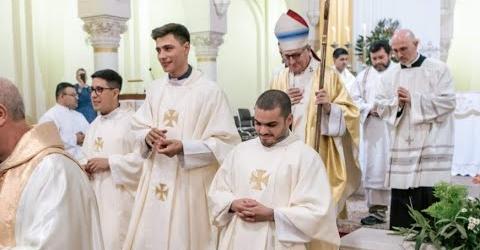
x=382 y=31
x=454 y=222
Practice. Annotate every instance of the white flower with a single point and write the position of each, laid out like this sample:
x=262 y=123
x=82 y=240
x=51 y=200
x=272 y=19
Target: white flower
x=473 y=222
x=463 y=210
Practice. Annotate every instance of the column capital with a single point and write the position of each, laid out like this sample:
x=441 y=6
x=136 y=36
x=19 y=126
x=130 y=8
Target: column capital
x=206 y=44
x=105 y=31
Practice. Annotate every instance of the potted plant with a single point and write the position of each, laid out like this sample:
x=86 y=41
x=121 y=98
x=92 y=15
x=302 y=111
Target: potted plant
x=452 y=223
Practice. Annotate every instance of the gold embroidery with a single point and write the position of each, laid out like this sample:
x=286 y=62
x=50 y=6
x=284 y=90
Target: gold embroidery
x=161 y=191
x=98 y=144
x=259 y=177
x=170 y=118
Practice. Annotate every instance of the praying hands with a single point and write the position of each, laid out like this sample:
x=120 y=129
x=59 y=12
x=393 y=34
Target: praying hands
x=403 y=96
x=250 y=210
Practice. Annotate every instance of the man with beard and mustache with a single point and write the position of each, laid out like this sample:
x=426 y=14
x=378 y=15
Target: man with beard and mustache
x=374 y=144
x=272 y=192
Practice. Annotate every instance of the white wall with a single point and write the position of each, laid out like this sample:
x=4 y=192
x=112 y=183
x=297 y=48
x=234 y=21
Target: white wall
x=421 y=16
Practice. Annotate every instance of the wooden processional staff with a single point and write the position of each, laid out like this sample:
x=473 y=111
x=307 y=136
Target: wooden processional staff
x=326 y=13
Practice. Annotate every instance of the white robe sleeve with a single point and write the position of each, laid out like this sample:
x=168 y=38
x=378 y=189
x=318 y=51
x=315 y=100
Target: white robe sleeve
x=362 y=104
x=333 y=124
x=311 y=206
x=287 y=231
x=142 y=122
x=58 y=209
x=437 y=105
x=386 y=103
x=220 y=195
x=126 y=168
x=195 y=154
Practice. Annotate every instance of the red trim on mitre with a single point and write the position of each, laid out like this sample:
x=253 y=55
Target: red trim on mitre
x=297 y=17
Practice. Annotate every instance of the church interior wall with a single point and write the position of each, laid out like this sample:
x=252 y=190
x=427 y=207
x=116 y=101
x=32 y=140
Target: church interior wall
x=43 y=42
x=464 y=50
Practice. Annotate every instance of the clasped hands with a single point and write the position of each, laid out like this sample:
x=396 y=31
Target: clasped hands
x=156 y=139
x=250 y=210
x=403 y=96
x=96 y=165
x=321 y=98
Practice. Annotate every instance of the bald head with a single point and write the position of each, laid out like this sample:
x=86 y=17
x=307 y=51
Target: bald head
x=404 y=34
x=11 y=100
x=404 y=46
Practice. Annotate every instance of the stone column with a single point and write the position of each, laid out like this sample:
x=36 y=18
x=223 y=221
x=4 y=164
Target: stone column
x=207 y=35
x=105 y=21
x=206 y=48
x=447 y=8
x=105 y=39
x=313 y=15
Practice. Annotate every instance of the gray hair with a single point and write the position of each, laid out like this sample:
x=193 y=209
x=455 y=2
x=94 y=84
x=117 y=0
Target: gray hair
x=12 y=100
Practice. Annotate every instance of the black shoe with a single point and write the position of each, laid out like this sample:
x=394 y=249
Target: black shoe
x=371 y=220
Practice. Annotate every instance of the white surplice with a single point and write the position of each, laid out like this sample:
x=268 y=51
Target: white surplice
x=171 y=211
x=57 y=209
x=422 y=133
x=346 y=77
x=290 y=178
x=374 y=142
x=69 y=122
x=110 y=136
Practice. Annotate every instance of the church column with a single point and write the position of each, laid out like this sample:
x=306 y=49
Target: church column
x=313 y=14
x=104 y=21
x=206 y=48
x=207 y=35
x=447 y=8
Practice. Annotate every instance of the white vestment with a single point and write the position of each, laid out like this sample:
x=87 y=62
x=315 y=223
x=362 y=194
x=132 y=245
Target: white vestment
x=57 y=209
x=374 y=143
x=346 y=77
x=422 y=132
x=110 y=136
x=69 y=122
x=171 y=211
x=288 y=177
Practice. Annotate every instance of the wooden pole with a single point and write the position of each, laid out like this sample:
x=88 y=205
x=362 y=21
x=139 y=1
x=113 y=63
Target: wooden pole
x=318 y=128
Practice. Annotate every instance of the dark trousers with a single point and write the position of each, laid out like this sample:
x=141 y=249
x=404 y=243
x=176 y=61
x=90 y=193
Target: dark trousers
x=419 y=198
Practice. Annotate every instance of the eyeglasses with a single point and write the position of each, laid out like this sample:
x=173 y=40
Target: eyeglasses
x=295 y=55
x=99 y=90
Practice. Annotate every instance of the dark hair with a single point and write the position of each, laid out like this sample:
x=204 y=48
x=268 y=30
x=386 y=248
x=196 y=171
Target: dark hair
x=338 y=52
x=378 y=45
x=272 y=99
x=61 y=87
x=179 y=31
x=114 y=80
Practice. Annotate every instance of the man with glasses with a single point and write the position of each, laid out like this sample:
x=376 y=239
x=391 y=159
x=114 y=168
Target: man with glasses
x=113 y=165
x=338 y=145
x=71 y=124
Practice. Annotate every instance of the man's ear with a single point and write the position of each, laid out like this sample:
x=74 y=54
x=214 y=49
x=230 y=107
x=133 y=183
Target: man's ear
x=186 y=46
x=289 y=119
x=3 y=115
